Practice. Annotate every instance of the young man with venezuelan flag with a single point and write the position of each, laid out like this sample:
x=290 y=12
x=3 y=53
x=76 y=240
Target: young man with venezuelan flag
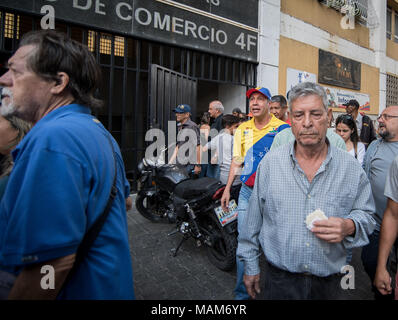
x=252 y=141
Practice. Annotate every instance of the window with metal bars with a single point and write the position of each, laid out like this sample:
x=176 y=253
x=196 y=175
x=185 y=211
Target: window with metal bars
x=361 y=8
x=392 y=90
x=392 y=24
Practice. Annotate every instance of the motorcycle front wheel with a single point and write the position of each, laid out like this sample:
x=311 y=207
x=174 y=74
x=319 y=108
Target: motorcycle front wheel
x=222 y=253
x=151 y=208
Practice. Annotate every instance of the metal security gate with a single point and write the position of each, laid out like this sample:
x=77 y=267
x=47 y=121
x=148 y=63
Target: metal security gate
x=126 y=65
x=167 y=90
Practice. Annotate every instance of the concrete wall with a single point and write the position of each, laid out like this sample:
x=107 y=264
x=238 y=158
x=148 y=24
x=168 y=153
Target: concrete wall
x=232 y=97
x=269 y=35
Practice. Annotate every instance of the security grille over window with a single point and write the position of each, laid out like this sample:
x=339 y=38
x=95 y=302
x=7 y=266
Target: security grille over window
x=359 y=7
x=392 y=90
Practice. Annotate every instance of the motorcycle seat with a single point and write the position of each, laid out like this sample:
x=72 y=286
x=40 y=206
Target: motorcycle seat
x=190 y=189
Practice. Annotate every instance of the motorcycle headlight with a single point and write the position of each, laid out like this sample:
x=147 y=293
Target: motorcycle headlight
x=141 y=167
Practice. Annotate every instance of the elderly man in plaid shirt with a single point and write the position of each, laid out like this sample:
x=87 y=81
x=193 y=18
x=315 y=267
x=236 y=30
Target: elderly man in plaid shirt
x=292 y=182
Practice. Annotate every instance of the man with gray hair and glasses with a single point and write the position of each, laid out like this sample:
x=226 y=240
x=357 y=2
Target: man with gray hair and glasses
x=377 y=161
x=303 y=213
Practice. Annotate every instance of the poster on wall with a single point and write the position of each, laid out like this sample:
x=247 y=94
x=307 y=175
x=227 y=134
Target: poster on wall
x=337 y=97
x=338 y=71
x=294 y=77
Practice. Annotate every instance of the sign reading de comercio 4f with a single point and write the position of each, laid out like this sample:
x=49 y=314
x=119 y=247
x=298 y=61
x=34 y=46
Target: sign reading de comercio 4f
x=226 y=27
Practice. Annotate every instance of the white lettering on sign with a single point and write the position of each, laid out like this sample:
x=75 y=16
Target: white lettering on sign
x=201 y=34
x=177 y=23
x=86 y=5
x=138 y=17
x=98 y=6
x=214 y=2
x=164 y=22
x=243 y=42
x=77 y=4
x=161 y=24
x=119 y=7
x=190 y=27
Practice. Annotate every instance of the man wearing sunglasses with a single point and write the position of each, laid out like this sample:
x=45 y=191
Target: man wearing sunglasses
x=365 y=126
x=377 y=161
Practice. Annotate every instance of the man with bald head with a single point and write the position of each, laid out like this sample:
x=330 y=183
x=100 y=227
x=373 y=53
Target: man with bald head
x=377 y=162
x=216 y=110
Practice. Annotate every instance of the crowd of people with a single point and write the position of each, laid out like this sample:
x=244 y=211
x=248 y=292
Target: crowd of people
x=313 y=163
x=307 y=193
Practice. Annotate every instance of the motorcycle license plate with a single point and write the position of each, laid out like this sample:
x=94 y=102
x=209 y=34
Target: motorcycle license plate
x=226 y=217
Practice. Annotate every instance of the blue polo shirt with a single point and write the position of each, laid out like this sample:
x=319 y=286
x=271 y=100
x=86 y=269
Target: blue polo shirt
x=59 y=185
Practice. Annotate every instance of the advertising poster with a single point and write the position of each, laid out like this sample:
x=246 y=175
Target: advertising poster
x=337 y=97
x=295 y=77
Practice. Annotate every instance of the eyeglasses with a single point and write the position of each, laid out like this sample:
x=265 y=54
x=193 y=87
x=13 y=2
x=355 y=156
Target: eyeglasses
x=386 y=116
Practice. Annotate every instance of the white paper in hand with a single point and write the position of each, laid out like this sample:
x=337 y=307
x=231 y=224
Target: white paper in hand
x=317 y=215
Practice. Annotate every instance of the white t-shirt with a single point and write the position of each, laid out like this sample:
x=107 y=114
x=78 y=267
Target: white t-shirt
x=360 y=152
x=223 y=143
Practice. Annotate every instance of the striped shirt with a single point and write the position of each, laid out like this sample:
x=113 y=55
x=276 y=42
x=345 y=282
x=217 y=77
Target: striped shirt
x=282 y=198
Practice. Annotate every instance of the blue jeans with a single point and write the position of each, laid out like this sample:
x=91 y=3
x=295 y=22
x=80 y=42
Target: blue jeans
x=213 y=171
x=244 y=196
x=203 y=170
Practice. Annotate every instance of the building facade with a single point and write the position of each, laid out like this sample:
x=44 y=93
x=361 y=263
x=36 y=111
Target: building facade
x=155 y=54
x=349 y=47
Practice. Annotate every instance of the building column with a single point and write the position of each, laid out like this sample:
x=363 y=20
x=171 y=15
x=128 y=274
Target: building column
x=378 y=43
x=268 y=48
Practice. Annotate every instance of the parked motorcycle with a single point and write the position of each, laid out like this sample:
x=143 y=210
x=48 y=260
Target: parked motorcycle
x=169 y=194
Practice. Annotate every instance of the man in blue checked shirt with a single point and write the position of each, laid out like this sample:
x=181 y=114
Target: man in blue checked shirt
x=292 y=182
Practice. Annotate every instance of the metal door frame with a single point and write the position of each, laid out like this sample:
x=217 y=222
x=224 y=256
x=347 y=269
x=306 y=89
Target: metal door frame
x=168 y=89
